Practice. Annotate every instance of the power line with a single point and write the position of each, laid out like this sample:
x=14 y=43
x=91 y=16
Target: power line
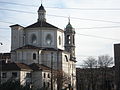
x=21 y=4
x=88 y=35
x=84 y=19
x=75 y=28
x=18 y=4
x=100 y=27
x=5 y=28
x=59 y=16
x=98 y=37
x=7 y=22
x=17 y=11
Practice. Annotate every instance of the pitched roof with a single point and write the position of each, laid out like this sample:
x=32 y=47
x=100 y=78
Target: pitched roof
x=16 y=25
x=28 y=47
x=34 y=47
x=5 y=55
x=41 y=24
x=11 y=66
x=37 y=67
x=52 y=49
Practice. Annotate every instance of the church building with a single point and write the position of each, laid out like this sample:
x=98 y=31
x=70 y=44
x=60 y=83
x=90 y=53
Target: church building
x=46 y=44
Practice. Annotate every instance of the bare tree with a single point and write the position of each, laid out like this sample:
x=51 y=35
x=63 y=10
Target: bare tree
x=90 y=75
x=96 y=73
x=62 y=78
x=91 y=62
x=105 y=61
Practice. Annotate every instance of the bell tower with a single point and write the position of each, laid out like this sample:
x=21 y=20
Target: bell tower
x=41 y=14
x=70 y=40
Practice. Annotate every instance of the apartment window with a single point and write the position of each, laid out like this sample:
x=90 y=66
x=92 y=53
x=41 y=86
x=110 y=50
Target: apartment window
x=48 y=84
x=44 y=75
x=43 y=84
x=34 y=56
x=28 y=75
x=14 y=74
x=4 y=75
x=48 y=75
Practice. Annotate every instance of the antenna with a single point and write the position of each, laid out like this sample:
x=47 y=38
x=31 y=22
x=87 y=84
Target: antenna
x=69 y=19
x=41 y=1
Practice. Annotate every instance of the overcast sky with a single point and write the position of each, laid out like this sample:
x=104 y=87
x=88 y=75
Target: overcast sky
x=96 y=22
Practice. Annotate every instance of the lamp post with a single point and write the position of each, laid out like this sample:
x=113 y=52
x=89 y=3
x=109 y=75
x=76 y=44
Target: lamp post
x=52 y=71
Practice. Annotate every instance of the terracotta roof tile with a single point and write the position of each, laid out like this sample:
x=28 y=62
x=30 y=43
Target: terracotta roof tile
x=14 y=66
x=37 y=67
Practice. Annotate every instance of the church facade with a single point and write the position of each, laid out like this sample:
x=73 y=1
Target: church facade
x=44 y=43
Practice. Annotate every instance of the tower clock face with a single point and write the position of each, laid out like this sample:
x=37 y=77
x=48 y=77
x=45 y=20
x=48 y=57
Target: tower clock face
x=49 y=39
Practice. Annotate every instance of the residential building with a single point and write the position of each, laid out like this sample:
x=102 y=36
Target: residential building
x=41 y=77
x=117 y=65
x=15 y=71
x=35 y=75
x=5 y=56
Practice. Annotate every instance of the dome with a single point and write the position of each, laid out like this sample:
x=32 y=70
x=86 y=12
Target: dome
x=41 y=8
x=69 y=25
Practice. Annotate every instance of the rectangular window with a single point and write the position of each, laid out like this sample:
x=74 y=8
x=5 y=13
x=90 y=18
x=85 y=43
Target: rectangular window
x=48 y=75
x=43 y=84
x=4 y=75
x=34 y=56
x=44 y=75
x=48 y=84
x=14 y=74
x=28 y=75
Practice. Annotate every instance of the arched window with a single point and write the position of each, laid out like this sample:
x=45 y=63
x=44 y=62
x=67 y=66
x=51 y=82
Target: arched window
x=34 y=56
x=33 y=39
x=68 y=39
x=73 y=39
x=66 y=58
x=59 y=40
x=49 y=39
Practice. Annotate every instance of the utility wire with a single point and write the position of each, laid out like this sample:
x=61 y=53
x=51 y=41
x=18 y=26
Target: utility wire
x=7 y=22
x=59 y=16
x=94 y=36
x=98 y=37
x=78 y=34
x=20 y=4
x=17 y=10
x=4 y=28
x=84 y=19
x=75 y=28
x=100 y=27
x=28 y=5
